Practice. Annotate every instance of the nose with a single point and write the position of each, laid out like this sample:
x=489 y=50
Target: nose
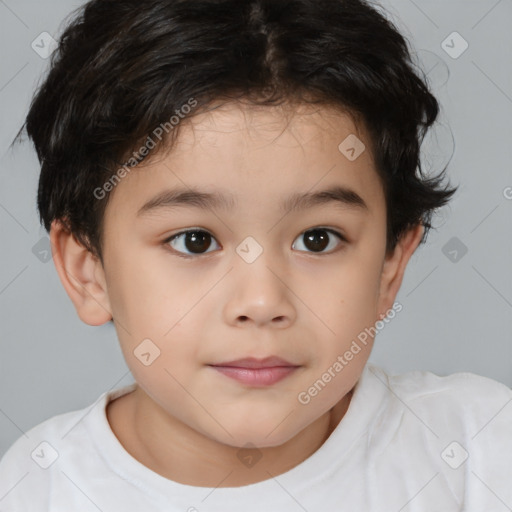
x=260 y=296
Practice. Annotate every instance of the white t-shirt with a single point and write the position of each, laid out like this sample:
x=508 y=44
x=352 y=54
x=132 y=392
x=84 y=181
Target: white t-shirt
x=413 y=442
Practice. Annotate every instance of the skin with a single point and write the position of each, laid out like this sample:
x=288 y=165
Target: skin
x=185 y=420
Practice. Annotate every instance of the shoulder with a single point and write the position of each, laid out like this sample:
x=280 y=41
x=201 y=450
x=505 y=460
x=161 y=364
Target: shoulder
x=29 y=465
x=465 y=387
x=464 y=400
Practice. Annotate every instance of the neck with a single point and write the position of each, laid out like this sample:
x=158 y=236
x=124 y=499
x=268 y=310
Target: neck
x=174 y=450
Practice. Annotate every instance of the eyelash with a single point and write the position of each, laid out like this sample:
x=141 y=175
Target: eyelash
x=198 y=230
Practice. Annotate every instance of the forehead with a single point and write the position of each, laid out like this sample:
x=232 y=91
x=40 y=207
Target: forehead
x=257 y=154
x=252 y=128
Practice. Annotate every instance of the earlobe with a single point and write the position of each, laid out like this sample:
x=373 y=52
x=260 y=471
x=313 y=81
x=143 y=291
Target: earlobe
x=394 y=267
x=82 y=276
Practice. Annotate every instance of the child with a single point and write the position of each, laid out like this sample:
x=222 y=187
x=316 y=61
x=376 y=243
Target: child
x=255 y=129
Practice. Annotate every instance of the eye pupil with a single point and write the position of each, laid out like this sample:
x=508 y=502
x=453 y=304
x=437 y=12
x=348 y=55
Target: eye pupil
x=198 y=240
x=316 y=239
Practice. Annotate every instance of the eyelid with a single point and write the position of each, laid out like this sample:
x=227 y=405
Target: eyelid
x=338 y=234
x=184 y=232
x=334 y=231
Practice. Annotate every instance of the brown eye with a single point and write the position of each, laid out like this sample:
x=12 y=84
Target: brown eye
x=199 y=241
x=193 y=241
x=318 y=239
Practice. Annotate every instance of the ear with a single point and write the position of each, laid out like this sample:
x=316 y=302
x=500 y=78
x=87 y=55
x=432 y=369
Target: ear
x=394 y=266
x=82 y=276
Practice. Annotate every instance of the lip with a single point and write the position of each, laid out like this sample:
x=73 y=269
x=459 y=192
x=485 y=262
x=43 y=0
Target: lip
x=254 y=362
x=256 y=372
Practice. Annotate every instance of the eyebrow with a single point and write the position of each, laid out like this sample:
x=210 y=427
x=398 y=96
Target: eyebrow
x=191 y=197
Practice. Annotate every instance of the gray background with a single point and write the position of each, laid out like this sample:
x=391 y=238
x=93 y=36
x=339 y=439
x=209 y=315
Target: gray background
x=457 y=308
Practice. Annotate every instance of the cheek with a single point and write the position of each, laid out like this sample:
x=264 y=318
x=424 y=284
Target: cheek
x=146 y=294
x=162 y=358
x=350 y=294
x=347 y=305
x=147 y=312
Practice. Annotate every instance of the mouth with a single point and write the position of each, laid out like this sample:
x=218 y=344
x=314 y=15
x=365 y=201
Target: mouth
x=256 y=372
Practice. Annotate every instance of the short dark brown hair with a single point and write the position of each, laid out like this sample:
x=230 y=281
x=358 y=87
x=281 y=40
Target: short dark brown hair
x=122 y=68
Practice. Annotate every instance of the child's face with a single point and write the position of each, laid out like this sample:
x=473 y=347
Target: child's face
x=303 y=299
